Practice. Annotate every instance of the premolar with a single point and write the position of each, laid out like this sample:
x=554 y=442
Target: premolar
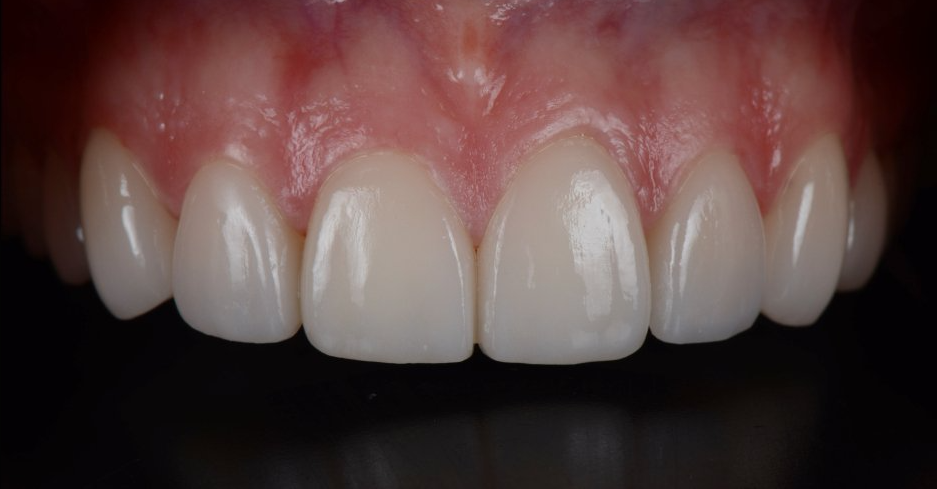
x=388 y=269
x=707 y=256
x=63 y=231
x=805 y=233
x=563 y=267
x=128 y=232
x=236 y=261
x=865 y=237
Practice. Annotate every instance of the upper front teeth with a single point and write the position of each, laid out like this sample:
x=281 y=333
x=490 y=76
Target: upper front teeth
x=563 y=270
x=389 y=270
x=128 y=234
x=865 y=238
x=707 y=256
x=805 y=234
x=236 y=261
x=388 y=273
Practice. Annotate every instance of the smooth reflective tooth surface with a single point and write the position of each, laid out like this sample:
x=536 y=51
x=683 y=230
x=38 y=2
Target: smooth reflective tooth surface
x=707 y=254
x=868 y=221
x=63 y=231
x=236 y=261
x=128 y=233
x=805 y=236
x=388 y=269
x=563 y=267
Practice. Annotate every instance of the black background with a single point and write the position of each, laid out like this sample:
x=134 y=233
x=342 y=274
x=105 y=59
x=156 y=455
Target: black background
x=89 y=401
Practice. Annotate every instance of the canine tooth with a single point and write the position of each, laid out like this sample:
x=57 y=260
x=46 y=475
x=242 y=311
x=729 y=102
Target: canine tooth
x=388 y=270
x=63 y=232
x=865 y=236
x=707 y=255
x=805 y=234
x=128 y=233
x=563 y=267
x=236 y=261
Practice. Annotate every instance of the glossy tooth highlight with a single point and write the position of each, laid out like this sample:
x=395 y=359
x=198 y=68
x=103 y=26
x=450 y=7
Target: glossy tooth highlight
x=62 y=223
x=805 y=234
x=563 y=267
x=868 y=221
x=128 y=233
x=707 y=254
x=388 y=269
x=236 y=260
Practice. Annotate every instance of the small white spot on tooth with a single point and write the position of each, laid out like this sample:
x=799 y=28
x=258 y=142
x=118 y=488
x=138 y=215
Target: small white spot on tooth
x=563 y=271
x=62 y=222
x=707 y=255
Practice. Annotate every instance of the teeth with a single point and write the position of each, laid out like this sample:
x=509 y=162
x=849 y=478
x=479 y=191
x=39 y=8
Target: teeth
x=64 y=235
x=388 y=270
x=563 y=268
x=805 y=234
x=128 y=233
x=865 y=237
x=707 y=256
x=236 y=262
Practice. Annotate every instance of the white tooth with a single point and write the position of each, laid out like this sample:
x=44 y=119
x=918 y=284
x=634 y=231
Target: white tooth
x=128 y=232
x=236 y=262
x=563 y=267
x=707 y=255
x=865 y=237
x=805 y=234
x=64 y=235
x=27 y=180
x=389 y=269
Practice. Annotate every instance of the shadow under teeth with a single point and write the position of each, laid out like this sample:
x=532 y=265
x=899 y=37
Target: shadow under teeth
x=151 y=402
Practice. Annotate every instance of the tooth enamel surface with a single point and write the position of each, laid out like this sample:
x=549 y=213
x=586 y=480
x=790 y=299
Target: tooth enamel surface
x=707 y=256
x=62 y=223
x=128 y=233
x=388 y=269
x=563 y=268
x=865 y=236
x=236 y=261
x=805 y=236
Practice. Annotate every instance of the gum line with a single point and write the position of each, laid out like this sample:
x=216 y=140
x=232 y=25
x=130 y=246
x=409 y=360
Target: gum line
x=291 y=108
x=477 y=90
